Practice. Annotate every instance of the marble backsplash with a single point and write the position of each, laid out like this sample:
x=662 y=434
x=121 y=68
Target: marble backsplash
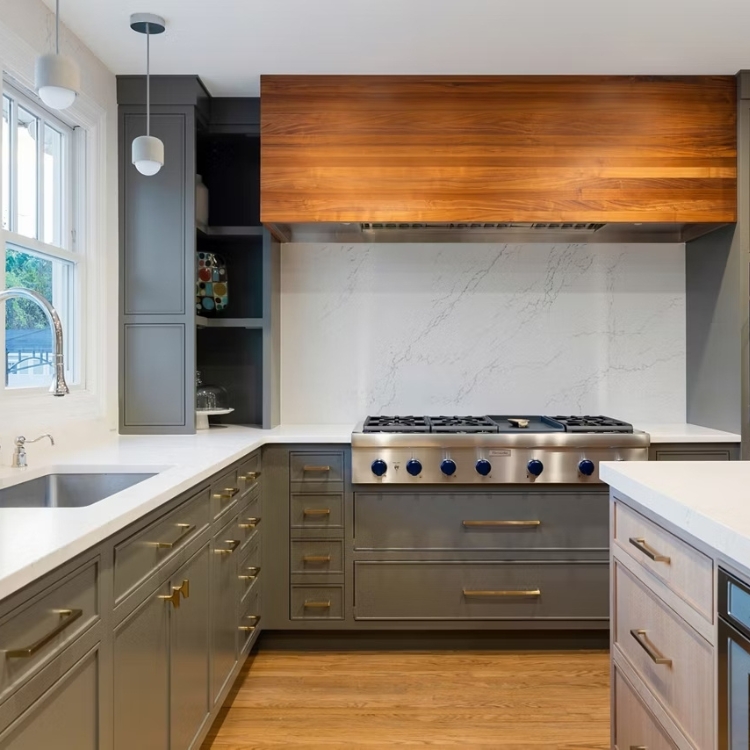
x=480 y=328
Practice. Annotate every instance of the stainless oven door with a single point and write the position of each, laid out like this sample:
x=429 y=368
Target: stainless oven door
x=734 y=688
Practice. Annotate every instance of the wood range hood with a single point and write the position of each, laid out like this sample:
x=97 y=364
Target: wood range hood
x=498 y=158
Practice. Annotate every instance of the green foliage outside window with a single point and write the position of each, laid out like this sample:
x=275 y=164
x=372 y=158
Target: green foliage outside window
x=25 y=270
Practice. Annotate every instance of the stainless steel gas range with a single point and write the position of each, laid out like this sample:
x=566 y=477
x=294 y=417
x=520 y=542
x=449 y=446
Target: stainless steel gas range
x=501 y=449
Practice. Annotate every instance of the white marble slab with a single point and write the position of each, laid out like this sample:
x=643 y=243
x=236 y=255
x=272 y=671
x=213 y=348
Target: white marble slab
x=478 y=328
x=686 y=433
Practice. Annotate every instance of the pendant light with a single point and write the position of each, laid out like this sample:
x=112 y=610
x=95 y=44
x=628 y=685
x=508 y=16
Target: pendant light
x=148 y=151
x=57 y=77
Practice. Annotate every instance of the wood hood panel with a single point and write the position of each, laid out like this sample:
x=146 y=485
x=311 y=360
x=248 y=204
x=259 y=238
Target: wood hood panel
x=498 y=149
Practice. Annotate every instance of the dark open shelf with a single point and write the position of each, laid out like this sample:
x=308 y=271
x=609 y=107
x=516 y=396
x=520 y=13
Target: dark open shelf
x=250 y=323
x=230 y=232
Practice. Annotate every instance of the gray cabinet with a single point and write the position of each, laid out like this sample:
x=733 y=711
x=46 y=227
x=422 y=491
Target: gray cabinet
x=694 y=452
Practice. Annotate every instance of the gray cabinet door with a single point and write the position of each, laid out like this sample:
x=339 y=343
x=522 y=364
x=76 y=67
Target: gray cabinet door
x=189 y=653
x=225 y=594
x=65 y=717
x=141 y=676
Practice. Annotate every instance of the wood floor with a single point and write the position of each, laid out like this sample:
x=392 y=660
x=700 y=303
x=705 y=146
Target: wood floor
x=378 y=700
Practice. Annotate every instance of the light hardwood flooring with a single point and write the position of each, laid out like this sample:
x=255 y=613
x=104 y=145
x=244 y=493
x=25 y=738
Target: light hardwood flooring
x=434 y=699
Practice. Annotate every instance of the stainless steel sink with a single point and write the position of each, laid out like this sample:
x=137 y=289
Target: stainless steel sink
x=67 y=490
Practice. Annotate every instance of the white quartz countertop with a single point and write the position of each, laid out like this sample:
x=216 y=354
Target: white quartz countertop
x=687 y=433
x=708 y=499
x=34 y=541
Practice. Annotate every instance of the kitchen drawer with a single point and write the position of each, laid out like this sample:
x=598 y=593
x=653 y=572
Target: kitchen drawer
x=670 y=657
x=635 y=725
x=225 y=493
x=311 y=511
x=37 y=631
x=317 y=472
x=317 y=556
x=250 y=566
x=252 y=498
x=484 y=520
x=685 y=570
x=249 y=473
x=250 y=619
x=481 y=591
x=139 y=555
x=248 y=523
x=317 y=602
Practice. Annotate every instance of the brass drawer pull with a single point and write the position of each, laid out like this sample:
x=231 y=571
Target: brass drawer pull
x=638 y=747
x=316 y=469
x=317 y=605
x=515 y=524
x=251 y=476
x=174 y=597
x=642 y=640
x=251 y=574
x=320 y=559
x=250 y=523
x=640 y=544
x=250 y=628
x=233 y=544
x=316 y=512
x=227 y=493
x=67 y=618
x=184 y=589
x=490 y=594
x=185 y=530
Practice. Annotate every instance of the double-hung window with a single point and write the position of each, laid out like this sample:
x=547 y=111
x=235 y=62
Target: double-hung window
x=40 y=191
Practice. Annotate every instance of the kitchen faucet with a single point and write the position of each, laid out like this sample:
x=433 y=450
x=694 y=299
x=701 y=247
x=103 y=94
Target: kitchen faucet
x=59 y=387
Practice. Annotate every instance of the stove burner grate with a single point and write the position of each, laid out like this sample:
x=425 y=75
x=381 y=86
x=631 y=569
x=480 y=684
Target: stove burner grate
x=461 y=424
x=589 y=423
x=396 y=424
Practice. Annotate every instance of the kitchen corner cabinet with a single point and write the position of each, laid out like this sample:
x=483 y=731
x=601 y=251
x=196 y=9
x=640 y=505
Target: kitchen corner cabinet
x=123 y=639
x=694 y=452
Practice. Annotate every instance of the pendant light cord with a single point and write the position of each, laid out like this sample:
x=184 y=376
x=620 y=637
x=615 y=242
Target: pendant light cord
x=148 y=78
x=57 y=27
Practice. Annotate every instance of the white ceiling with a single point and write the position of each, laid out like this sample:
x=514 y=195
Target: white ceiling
x=229 y=43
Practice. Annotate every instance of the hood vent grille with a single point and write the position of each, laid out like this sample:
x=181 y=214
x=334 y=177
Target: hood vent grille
x=583 y=228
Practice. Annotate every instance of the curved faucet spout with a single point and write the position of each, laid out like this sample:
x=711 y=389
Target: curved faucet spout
x=59 y=387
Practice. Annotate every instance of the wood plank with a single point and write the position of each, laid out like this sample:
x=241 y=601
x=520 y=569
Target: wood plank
x=379 y=700
x=498 y=148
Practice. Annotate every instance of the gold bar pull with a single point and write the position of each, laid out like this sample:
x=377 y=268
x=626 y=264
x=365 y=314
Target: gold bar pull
x=227 y=493
x=67 y=618
x=490 y=594
x=501 y=524
x=174 y=597
x=316 y=559
x=250 y=628
x=185 y=530
x=233 y=544
x=317 y=605
x=638 y=747
x=251 y=476
x=642 y=640
x=316 y=512
x=316 y=469
x=252 y=574
x=640 y=544
x=184 y=589
x=250 y=523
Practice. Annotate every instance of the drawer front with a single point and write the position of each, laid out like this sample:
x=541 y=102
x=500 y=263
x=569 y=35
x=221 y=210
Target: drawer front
x=671 y=658
x=249 y=473
x=519 y=520
x=250 y=566
x=481 y=591
x=318 y=471
x=225 y=493
x=248 y=523
x=252 y=498
x=137 y=557
x=317 y=556
x=310 y=511
x=635 y=725
x=317 y=603
x=251 y=620
x=34 y=633
x=685 y=570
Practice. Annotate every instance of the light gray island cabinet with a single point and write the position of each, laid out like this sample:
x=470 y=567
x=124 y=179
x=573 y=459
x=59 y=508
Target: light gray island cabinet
x=131 y=644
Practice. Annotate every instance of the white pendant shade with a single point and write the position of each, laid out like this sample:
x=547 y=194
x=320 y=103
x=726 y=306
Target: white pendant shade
x=57 y=77
x=148 y=154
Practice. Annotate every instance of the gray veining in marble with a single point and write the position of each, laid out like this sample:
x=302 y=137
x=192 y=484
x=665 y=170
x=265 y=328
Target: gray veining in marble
x=377 y=329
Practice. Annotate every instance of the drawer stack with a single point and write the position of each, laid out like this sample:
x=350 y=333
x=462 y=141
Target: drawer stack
x=316 y=520
x=662 y=637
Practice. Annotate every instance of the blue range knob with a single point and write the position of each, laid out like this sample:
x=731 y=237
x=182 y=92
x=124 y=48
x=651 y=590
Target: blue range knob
x=586 y=467
x=483 y=467
x=448 y=467
x=535 y=467
x=379 y=467
x=414 y=467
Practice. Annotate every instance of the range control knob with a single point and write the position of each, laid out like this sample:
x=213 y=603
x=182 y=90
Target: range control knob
x=448 y=467
x=414 y=467
x=483 y=467
x=586 y=467
x=379 y=467
x=535 y=467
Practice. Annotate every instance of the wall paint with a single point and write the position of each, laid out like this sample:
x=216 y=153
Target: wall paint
x=474 y=328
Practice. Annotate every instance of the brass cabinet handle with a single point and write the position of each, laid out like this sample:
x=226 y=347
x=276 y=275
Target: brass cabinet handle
x=641 y=639
x=516 y=524
x=316 y=469
x=250 y=523
x=251 y=574
x=316 y=512
x=640 y=544
x=251 y=476
x=250 y=628
x=67 y=618
x=185 y=530
x=174 y=597
x=638 y=747
x=316 y=559
x=309 y=604
x=184 y=589
x=233 y=544
x=227 y=493
x=513 y=592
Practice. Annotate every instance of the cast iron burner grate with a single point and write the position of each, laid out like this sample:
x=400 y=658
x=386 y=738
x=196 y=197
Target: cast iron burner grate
x=396 y=424
x=590 y=423
x=462 y=424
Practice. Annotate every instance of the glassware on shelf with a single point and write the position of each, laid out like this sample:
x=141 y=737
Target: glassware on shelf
x=210 y=401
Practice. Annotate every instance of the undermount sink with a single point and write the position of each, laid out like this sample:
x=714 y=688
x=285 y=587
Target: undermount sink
x=67 y=490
